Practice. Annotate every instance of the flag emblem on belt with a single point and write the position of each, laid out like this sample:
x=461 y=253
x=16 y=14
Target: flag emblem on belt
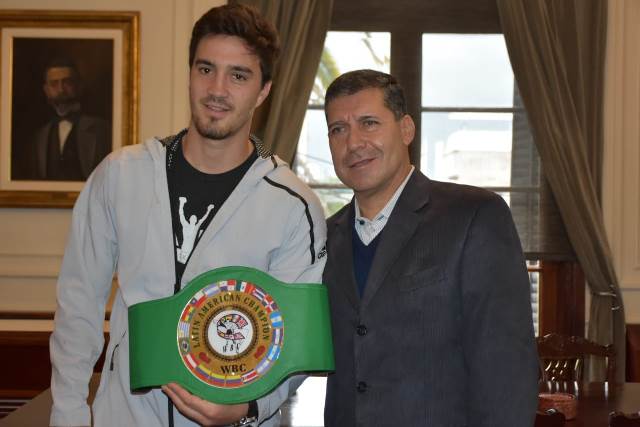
x=230 y=334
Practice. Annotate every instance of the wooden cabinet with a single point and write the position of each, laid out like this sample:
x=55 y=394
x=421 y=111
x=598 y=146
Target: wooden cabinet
x=633 y=353
x=25 y=367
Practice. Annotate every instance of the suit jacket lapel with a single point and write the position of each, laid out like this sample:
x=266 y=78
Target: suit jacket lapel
x=341 y=255
x=42 y=147
x=401 y=226
x=86 y=143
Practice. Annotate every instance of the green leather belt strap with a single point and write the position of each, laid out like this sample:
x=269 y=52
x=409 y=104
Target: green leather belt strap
x=232 y=335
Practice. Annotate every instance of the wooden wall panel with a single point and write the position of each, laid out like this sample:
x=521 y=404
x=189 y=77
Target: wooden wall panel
x=25 y=367
x=562 y=295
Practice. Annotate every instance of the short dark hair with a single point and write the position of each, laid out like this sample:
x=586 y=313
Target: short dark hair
x=61 y=62
x=355 y=81
x=244 y=22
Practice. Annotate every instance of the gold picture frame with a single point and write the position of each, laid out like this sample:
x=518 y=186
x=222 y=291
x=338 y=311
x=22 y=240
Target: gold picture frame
x=103 y=48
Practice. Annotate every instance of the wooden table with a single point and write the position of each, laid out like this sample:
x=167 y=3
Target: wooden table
x=597 y=400
x=305 y=408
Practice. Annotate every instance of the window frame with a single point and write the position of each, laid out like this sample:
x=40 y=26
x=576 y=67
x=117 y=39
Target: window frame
x=407 y=20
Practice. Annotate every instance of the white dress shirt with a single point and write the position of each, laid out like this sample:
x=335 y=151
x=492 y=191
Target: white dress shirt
x=64 y=129
x=368 y=229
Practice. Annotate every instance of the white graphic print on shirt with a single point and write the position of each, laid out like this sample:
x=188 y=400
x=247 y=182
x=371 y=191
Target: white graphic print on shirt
x=190 y=230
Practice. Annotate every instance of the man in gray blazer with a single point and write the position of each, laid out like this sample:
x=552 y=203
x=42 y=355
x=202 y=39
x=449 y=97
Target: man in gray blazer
x=429 y=292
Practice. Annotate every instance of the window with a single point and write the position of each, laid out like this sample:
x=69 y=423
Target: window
x=474 y=128
x=343 y=51
x=467 y=109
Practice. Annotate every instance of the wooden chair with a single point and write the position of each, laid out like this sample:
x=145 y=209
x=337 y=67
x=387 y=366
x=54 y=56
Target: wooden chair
x=618 y=419
x=549 y=418
x=562 y=357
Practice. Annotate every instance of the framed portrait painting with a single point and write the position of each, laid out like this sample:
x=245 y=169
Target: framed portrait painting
x=69 y=96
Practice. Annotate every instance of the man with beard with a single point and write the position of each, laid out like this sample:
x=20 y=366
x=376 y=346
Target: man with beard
x=245 y=207
x=72 y=144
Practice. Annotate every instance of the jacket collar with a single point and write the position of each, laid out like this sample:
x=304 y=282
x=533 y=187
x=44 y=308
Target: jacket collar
x=402 y=224
x=172 y=142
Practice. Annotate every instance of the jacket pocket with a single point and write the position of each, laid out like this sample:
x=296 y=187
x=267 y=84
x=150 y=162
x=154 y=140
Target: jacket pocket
x=114 y=352
x=107 y=380
x=427 y=277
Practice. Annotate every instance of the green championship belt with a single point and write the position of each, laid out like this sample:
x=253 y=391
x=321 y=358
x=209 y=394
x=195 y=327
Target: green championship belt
x=232 y=335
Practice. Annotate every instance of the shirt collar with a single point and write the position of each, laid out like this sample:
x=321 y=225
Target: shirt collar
x=388 y=208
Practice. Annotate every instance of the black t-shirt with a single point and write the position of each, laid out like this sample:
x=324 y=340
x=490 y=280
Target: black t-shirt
x=195 y=199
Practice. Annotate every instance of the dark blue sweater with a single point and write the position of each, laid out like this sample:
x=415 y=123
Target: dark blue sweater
x=362 y=258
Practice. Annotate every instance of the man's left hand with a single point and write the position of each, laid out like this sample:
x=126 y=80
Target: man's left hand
x=201 y=411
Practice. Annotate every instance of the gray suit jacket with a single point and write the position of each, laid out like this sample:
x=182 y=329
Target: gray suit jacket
x=94 y=143
x=442 y=335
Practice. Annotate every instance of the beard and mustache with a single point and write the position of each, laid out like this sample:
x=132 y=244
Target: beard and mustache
x=211 y=128
x=64 y=105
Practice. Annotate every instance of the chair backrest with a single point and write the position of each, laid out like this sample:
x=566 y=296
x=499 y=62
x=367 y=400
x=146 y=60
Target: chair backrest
x=562 y=357
x=618 y=419
x=549 y=418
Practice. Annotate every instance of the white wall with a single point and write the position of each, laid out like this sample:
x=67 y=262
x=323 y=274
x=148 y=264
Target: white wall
x=32 y=240
x=621 y=181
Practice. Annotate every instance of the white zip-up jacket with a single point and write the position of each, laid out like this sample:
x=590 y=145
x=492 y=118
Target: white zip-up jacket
x=122 y=224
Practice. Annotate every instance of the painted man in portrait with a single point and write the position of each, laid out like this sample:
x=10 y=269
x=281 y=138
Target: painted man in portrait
x=70 y=145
